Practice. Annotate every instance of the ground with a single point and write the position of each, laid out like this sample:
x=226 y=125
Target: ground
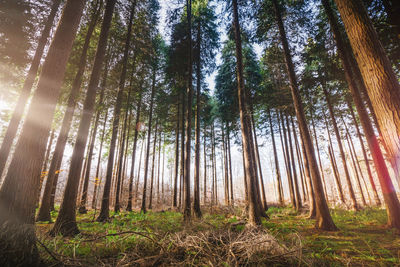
x=222 y=239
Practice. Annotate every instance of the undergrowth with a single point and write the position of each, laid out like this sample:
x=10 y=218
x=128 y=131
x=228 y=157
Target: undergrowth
x=221 y=238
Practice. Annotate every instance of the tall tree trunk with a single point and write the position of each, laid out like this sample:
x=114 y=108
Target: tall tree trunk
x=205 y=165
x=299 y=159
x=44 y=171
x=182 y=165
x=295 y=180
x=225 y=168
x=380 y=80
x=257 y=155
x=333 y=162
x=175 y=196
x=135 y=138
x=340 y=145
x=288 y=163
x=104 y=211
x=66 y=220
x=19 y=191
x=245 y=123
x=313 y=210
x=52 y=178
x=188 y=125
x=196 y=193
x=389 y=194
x=366 y=160
x=138 y=172
x=323 y=218
x=230 y=165
x=146 y=162
x=158 y=167
x=319 y=156
x=277 y=170
x=153 y=166
x=26 y=89
x=97 y=182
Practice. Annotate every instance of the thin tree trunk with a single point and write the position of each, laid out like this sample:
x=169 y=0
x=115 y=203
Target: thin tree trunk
x=196 y=193
x=277 y=170
x=66 y=220
x=135 y=138
x=104 y=211
x=323 y=218
x=341 y=150
x=175 y=196
x=26 y=89
x=153 y=166
x=333 y=162
x=299 y=159
x=319 y=156
x=158 y=168
x=138 y=172
x=225 y=168
x=146 y=162
x=205 y=166
x=97 y=183
x=230 y=165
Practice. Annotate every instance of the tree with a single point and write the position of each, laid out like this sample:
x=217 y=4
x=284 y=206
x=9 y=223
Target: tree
x=23 y=98
x=66 y=220
x=380 y=80
x=17 y=232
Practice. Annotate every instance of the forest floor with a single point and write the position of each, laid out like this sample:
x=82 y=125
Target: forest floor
x=220 y=238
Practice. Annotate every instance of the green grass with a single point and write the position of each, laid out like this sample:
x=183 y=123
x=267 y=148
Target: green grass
x=363 y=239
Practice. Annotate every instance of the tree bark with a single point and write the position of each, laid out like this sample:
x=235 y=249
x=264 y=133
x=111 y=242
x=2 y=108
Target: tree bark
x=19 y=191
x=323 y=218
x=381 y=82
x=153 y=166
x=66 y=220
x=175 y=196
x=245 y=122
x=277 y=170
x=26 y=89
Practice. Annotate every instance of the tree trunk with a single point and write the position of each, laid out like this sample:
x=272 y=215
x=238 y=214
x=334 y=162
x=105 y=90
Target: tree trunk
x=175 y=196
x=49 y=192
x=230 y=164
x=19 y=191
x=277 y=170
x=135 y=138
x=389 y=194
x=66 y=220
x=44 y=171
x=205 y=167
x=299 y=159
x=319 y=156
x=138 y=172
x=196 y=193
x=146 y=162
x=26 y=89
x=188 y=130
x=97 y=183
x=153 y=166
x=288 y=163
x=341 y=150
x=323 y=218
x=381 y=82
x=245 y=123
x=295 y=180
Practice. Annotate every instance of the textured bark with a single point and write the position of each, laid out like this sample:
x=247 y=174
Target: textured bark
x=389 y=194
x=277 y=170
x=19 y=191
x=381 y=82
x=26 y=89
x=323 y=218
x=66 y=220
x=205 y=166
x=245 y=123
x=299 y=159
x=230 y=166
